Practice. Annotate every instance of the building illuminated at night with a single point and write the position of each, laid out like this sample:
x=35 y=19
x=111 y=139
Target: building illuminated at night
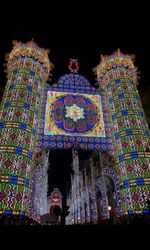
x=108 y=121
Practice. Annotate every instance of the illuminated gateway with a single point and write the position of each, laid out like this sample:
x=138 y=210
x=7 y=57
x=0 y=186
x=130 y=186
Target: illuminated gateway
x=108 y=121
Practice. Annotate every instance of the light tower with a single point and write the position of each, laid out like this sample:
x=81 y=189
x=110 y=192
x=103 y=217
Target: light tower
x=117 y=77
x=27 y=70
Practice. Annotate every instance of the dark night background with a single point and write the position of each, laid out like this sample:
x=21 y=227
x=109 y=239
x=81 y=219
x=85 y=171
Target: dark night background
x=78 y=35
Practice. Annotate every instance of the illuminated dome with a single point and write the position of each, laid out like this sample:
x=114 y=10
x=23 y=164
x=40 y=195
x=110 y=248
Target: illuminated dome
x=73 y=79
x=73 y=83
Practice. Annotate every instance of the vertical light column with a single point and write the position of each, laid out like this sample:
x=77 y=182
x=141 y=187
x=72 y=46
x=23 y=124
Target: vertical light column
x=76 y=179
x=69 y=218
x=40 y=184
x=87 y=198
x=93 y=193
x=117 y=77
x=104 y=200
x=72 y=200
x=27 y=70
x=82 y=200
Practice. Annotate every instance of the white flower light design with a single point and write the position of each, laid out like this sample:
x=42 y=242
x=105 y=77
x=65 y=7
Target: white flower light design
x=74 y=112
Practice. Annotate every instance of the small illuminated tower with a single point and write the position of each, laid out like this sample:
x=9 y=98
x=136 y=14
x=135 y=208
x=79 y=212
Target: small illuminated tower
x=117 y=77
x=40 y=183
x=27 y=70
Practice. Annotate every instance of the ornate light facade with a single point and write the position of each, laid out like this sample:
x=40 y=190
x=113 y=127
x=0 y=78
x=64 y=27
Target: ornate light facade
x=27 y=70
x=40 y=184
x=90 y=197
x=117 y=77
x=36 y=117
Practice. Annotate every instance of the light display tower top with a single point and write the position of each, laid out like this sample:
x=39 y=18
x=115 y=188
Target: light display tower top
x=117 y=59
x=29 y=50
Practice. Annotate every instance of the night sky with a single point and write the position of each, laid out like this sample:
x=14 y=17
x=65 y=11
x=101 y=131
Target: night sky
x=85 y=47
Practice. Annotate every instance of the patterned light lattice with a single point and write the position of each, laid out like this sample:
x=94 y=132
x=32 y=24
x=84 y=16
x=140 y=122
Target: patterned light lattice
x=18 y=126
x=74 y=115
x=77 y=84
x=129 y=130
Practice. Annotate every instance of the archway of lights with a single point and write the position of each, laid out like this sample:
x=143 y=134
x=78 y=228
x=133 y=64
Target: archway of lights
x=36 y=117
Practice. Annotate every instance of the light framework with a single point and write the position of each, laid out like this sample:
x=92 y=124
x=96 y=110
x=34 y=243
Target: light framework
x=118 y=77
x=27 y=70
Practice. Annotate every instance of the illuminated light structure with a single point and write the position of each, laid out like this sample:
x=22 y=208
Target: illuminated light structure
x=84 y=122
x=93 y=194
x=40 y=184
x=82 y=198
x=77 y=197
x=77 y=215
x=55 y=199
x=54 y=204
x=27 y=70
x=117 y=77
x=36 y=117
